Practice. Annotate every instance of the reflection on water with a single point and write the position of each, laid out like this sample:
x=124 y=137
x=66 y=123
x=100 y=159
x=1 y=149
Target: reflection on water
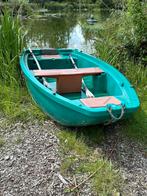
x=65 y=31
x=77 y=40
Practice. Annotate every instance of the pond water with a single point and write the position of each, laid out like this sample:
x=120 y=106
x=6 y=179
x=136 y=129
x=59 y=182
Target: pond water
x=66 y=30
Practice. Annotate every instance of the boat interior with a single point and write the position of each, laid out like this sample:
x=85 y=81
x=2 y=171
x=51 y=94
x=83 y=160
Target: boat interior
x=61 y=75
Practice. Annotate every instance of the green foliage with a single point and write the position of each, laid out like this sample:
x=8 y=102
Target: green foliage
x=2 y=142
x=133 y=29
x=14 y=101
x=55 y=5
x=80 y=159
x=11 y=44
x=68 y=164
x=107 y=4
x=107 y=180
x=72 y=144
x=20 y=7
x=136 y=19
x=16 y=104
x=120 y=43
x=137 y=74
x=124 y=35
x=136 y=127
x=69 y=5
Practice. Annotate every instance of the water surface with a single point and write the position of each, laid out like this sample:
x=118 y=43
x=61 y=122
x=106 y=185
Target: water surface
x=66 y=30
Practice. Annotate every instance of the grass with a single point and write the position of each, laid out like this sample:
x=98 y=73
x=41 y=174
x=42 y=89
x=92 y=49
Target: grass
x=81 y=159
x=77 y=146
x=112 y=46
x=14 y=100
x=2 y=142
x=16 y=104
x=135 y=127
x=11 y=44
x=11 y=36
x=107 y=180
x=19 y=139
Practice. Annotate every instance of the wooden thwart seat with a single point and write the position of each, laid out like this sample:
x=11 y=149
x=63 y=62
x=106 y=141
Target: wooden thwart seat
x=67 y=72
x=100 y=101
x=53 y=56
x=68 y=80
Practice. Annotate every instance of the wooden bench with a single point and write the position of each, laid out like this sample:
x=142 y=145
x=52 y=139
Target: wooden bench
x=100 y=101
x=55 y=56
x=68 y=80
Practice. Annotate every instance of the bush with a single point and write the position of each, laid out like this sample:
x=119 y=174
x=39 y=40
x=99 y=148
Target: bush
x=133 y=31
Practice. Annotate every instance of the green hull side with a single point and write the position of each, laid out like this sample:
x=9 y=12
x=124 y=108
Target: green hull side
x=69 y=113
x=64 y=114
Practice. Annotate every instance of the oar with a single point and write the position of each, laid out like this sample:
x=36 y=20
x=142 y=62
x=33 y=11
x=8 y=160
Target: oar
x=38 y=65
x=87 y=91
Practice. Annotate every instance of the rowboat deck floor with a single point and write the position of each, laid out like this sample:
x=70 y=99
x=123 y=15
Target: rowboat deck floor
x=75 y=96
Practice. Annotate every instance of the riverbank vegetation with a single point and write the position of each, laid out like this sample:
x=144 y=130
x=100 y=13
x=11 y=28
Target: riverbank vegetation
x=20 y=8
x=27 y=7
x=121 y=42
x=14 y=100
x=82 y=158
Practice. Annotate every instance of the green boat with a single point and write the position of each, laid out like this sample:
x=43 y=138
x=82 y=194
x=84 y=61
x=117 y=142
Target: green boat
x=77 y=89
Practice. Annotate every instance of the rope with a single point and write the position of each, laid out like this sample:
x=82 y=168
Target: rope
x=113 y=117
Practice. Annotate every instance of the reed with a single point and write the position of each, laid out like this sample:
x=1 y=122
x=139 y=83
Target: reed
x=11 y=44
x=14 y=101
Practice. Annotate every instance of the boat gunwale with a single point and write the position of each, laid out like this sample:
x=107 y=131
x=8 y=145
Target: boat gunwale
x=114 y=73
x=63 y=100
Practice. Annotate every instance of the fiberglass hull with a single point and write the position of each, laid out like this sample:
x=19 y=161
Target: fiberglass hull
x=70 y=113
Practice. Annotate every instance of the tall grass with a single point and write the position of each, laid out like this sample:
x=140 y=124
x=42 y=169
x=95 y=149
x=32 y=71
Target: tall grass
x=11 y=44
x=120 y=43
x=80 y=159
x=14 y=101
